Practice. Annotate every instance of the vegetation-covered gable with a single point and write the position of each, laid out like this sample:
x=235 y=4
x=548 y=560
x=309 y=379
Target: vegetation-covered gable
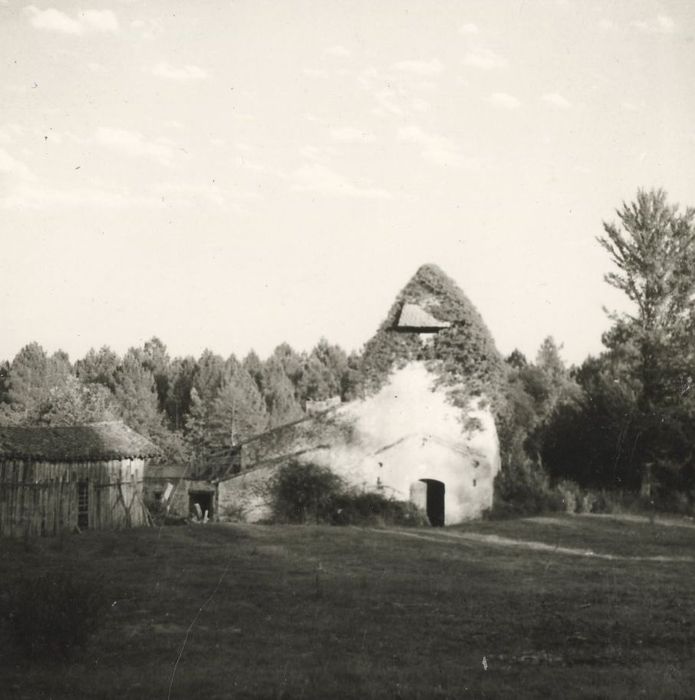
x=462 y=353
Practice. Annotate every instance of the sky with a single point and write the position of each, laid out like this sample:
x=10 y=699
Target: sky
x=233 y=175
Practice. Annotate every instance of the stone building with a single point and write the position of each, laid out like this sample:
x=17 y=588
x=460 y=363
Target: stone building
x=424 y=427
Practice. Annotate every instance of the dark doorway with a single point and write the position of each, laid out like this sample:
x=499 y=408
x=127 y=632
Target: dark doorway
x=435 y=502
x=83 y=505
x=203 y=499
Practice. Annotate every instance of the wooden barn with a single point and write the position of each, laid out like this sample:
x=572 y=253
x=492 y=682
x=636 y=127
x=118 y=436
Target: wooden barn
x=58 y=478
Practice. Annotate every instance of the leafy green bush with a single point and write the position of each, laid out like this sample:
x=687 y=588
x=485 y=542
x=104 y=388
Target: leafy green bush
x=51 y=615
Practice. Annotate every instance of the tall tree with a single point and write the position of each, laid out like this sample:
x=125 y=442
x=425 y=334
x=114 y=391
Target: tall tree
x=253 y=365
x=182 y=375
x=238 y=411
x=279 y=396
x=31 y=377
x=653 y=249
x=136 y=395
x=156 y=358
x=210 y=375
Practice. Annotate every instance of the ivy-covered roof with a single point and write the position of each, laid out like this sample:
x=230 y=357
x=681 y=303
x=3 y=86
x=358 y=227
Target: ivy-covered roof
x=95 y=442
x=462 y=353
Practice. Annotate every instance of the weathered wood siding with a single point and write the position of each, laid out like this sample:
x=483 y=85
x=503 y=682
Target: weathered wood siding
x=41 y=498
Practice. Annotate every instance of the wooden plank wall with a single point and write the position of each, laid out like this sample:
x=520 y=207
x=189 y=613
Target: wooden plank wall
x=41 y=498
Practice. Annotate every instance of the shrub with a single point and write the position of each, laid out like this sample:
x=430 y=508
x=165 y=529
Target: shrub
x=301 y=492
x=375 y=509
x=51 y=615
x=524 y=489
x=571 y=495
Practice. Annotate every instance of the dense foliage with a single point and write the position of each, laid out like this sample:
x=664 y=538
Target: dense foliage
x=463 y=353
x=190 y=407
x=625 y=420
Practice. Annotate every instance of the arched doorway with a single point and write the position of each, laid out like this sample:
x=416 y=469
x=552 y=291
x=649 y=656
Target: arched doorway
x=435 y=501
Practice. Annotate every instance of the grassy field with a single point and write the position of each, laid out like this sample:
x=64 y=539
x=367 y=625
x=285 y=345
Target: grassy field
x=320 y=612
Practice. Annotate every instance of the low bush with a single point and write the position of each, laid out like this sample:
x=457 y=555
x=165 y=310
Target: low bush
x=50 y=615
x=524 y=489
x=301 y=493
x=375 y=509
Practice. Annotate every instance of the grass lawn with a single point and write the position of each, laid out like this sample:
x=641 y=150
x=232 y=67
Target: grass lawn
x=321 y=612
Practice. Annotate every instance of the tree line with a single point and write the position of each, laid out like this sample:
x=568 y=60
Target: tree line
x=188 y=406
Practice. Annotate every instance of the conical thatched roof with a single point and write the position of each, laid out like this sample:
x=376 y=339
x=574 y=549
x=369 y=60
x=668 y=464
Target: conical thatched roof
x=462 y=352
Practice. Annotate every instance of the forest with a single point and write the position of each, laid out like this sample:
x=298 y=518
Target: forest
x=620 y=421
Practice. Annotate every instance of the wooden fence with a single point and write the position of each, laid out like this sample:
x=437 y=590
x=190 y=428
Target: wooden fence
x=49 y=507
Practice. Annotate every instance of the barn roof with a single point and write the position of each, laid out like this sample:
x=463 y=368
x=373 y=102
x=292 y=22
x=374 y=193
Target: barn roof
x=76 y=443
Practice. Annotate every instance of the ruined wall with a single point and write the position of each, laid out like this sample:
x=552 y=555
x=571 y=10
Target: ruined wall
x=243 y=497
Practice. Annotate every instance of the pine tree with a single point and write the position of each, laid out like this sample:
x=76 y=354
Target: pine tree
x=279 y=395
x=136 y=396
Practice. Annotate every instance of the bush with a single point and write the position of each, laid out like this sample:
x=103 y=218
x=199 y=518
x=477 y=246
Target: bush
x=524 y=489
x=302 y=492
x=571 y=495
x=375 y=509
x=51 y=615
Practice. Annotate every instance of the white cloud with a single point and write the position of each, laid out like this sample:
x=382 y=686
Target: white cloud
x=134 y=144
x=661 y=24
x=15 y=169
x=556 y=100
x=316 y=72
x=435 y=148
x=164 y=70
x=505 y=100
x=150 y=28
x=386 y=101
x=320 y=179
x=187 y=194
x=484 y=58
x=338 y=51
x=36 y=197
x=53 y=20
x=419 y=67
x=349 y=134
x=469 y=28
x=99 y=20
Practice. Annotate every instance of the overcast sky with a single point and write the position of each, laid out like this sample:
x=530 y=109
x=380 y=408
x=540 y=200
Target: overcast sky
x=233 y=175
